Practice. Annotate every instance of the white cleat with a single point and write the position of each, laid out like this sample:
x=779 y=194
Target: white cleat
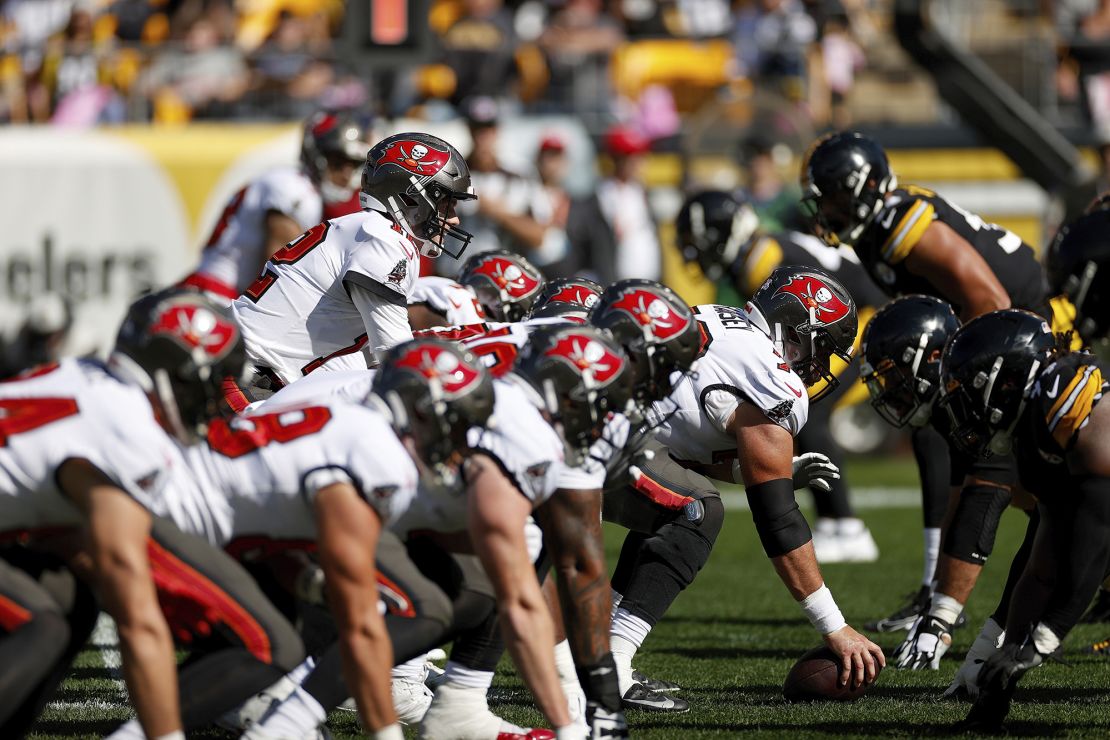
x=462 y=714
x=844 y=541
x=410 y=700
x=250 y=711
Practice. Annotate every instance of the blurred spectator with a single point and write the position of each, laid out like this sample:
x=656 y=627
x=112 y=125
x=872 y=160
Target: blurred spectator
x=624 y=203
x=773 y=39
x=200 y=79
x=288 y=76
x=42 y=337
x=478 y=47
x=72 y=70
x=841 y=58
x=578 y=42
x=1084 y=71
x=774 y=198
x=503 y=216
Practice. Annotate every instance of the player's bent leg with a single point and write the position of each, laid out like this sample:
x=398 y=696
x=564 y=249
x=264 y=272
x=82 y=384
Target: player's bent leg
x=242 y=643
x=33 y=638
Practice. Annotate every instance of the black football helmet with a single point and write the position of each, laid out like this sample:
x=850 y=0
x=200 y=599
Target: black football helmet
x=1100 y=203
x=810 y=316
x=1078 y=266
x=330 y=137
x=569 y=298
x=657 y=330
x=715 y=229
x=845 y=179
x=900 y=357
x=417 y=178
x=581 y=376
x=179 y=346
x=988 y=370
x=436 y=391
x=507 y=285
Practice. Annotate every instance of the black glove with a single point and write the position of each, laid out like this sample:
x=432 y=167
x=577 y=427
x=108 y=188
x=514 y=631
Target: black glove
x=997 y=682
x=605 y=724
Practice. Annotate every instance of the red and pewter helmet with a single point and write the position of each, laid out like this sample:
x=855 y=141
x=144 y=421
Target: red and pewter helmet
x=570 y=298
x=657 y=330
x=810 y=316
x=506 y=284
x=179 y=346
x=436 y=391
x=330 y=138
x=417 y=178
x=582 y=375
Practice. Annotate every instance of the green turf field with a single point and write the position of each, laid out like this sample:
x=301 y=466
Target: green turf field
x=730 y=639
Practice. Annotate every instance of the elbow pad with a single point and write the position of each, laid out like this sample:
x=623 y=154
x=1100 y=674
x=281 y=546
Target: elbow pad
x=778 y=520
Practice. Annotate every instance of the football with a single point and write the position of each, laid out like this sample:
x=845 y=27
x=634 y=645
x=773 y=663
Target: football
x=815 y=677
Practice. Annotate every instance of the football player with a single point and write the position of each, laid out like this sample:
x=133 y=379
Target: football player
x=271 y=210
x=1007 y=384
x=734 y=420
x=437 y=301
x=341 y=289
x=87 y=446
x=912 y=240
x=901 y=366
x=720 y=232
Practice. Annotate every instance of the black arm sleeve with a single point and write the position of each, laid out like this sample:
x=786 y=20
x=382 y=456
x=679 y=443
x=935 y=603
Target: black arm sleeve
x=778 y=521
x=1082 y=544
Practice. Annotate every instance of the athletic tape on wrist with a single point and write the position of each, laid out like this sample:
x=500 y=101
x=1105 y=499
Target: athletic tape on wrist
x=391 y=732
x=177 y=735
x=821 y=610
x=945 y=607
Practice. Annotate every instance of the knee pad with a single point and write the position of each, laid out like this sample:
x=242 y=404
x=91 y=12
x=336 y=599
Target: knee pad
x=683 y=544
x=971 y=534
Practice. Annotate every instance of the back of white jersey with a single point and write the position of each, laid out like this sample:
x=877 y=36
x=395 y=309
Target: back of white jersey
x=258 y=474
x=78 y=410
x=299 y=315
x=235 y=250
x=739 y=365
x=456 y=303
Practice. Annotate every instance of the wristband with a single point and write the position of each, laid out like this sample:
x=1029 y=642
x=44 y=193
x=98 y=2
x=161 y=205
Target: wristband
x=567 y=732
x=946 y=608
x=176 y=735
x=1044 y=639
x=389 y=732
x=821 y=610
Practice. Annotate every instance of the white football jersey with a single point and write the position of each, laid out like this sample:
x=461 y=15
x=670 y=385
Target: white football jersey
x=257 y=475
x=79 y=410
x=519 y=440
x=740 y=365
x=299 y=315
x=234 y=252
x=456 y=303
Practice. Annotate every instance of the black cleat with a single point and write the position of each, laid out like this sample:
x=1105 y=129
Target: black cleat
x=904 y=618
x=654 y=684
x=639 y=697
x=1100 y=610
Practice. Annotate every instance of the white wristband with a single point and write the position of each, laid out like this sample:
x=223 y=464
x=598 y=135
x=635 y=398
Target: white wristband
x=1045 y=639
x=391 y=732
x=178 y=735
x=568 y=732
x=946 y=608
x=821 y=610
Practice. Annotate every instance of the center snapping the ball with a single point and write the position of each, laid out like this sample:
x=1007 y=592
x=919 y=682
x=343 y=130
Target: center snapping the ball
x=816 y=677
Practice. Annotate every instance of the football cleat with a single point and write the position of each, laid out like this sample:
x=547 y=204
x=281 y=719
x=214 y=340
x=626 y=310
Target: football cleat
x=904 y=617
x=654 y=684
x=1100 y=610
x=639 y=696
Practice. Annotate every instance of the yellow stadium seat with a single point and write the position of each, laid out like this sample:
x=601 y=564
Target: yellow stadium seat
x=693 y=71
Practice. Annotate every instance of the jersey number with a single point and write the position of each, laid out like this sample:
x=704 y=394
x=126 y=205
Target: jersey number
x=18 y=415
x=253 y=432
x=287 y=255
x=1009 y=241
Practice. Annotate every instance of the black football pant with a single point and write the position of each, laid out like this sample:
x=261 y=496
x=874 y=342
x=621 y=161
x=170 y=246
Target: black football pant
x=430 y=596
x=673 y=516
x=816 y=436
x=46 y=615
x=239 y=642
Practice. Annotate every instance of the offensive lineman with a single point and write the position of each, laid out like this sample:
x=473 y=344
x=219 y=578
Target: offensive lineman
x=271 y=210
x=337 y=295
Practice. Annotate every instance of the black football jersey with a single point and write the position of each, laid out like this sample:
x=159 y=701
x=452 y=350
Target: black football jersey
x=1058 y=408
x=796 y=248
x=908 y=212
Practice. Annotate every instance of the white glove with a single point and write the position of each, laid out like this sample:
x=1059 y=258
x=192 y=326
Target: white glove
x=814 y=469
x=966 y=683
x=928 y=641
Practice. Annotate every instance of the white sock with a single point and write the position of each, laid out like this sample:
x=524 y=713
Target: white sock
x=129 y=730
x=460 y=676
x=299 y=715
x=625 y=638
x=300 y=673
x=630 y=627
x=411 y=670
x=932 y=554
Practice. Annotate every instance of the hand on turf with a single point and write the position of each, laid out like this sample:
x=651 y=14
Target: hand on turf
x=815 y=470
x=860 y=659
x=929 y=639
x=965 y=685
x=604 y=724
